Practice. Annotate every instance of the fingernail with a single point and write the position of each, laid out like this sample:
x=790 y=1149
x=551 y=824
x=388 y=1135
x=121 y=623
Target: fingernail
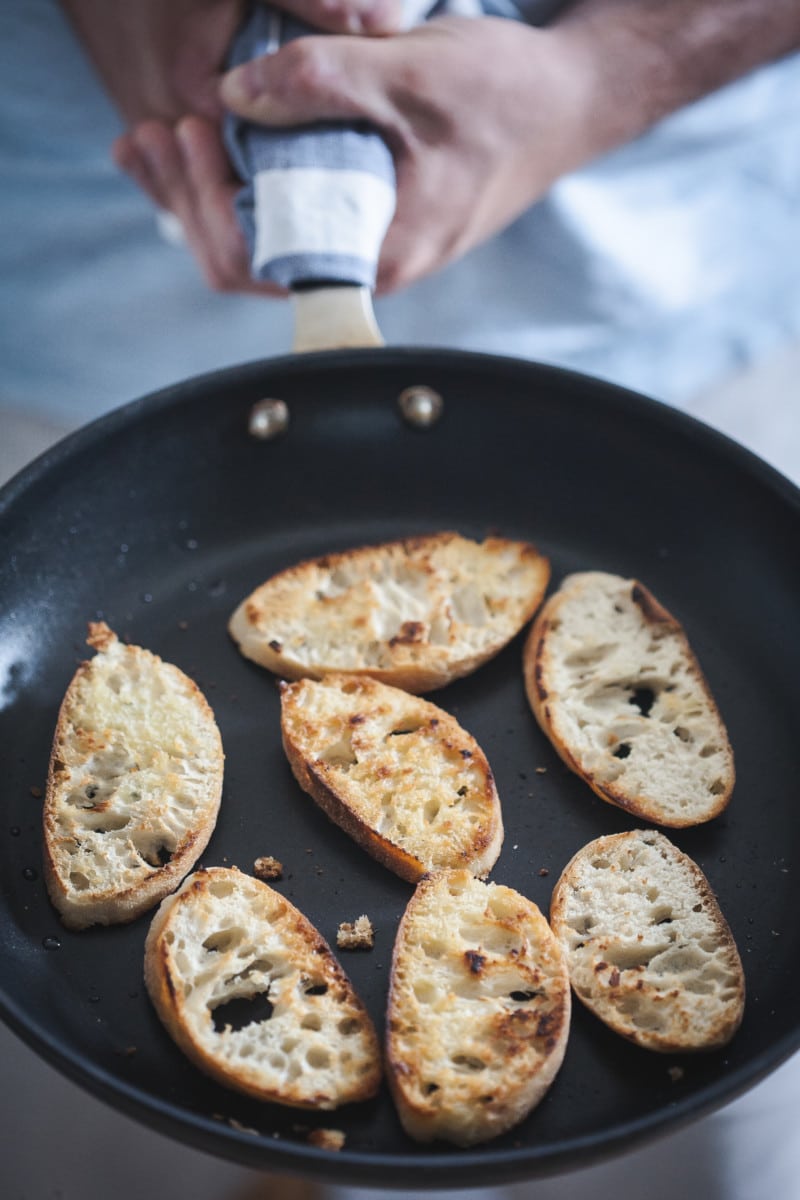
x=183 y=138
x=242 y=84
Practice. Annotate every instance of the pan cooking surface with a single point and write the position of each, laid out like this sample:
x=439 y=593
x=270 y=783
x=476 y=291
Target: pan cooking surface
x=162 y=516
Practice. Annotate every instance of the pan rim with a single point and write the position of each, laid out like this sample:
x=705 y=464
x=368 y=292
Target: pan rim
x=451 y=1167
x=443 y=1168
x=182 y=392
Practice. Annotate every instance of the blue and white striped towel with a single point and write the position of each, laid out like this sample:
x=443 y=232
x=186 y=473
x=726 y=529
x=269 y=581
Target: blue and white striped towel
x=318 y=199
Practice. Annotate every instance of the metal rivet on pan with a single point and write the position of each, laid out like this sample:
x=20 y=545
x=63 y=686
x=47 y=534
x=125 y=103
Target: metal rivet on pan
x=421 y=406
x=268 y=419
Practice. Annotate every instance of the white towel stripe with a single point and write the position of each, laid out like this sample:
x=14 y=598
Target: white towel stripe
x=313 y=210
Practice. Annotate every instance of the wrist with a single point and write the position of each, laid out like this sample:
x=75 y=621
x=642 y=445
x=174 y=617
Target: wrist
x=550 y=78
x=642 y=61
x=613 y=85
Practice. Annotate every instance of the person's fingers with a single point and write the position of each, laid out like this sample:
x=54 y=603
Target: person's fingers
x=215 y=235
x=403 y=260
x=214 y=190
x=136 y=154
x=412 y=246
x=162 y=164
x=315 y=78
x=158 y=159
x=372 y=17
x=128 y=159
x=185 y=171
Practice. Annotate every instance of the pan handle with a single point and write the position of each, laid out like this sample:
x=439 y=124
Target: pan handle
x=334 y=317
x=317 y=200
x=315 y=206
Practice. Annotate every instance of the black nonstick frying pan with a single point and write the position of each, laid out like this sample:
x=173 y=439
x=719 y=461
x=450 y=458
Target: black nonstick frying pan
x=163 y=515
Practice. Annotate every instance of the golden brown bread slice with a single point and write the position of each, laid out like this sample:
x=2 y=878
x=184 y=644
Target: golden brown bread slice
x=648 y=949
x=613 y=682
x=416 y=613
x=396 y=772
x=479 y=1010
x=133 y=787
x=253 y=995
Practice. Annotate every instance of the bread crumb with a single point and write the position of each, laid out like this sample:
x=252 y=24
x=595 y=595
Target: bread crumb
x=267 y=867
x=327 y=1139
x=541 y=770
x=675 y=1073
x=544 y=871
x=37 y=793
x=358 y=935
x=234 y=1124
x=240 y=1128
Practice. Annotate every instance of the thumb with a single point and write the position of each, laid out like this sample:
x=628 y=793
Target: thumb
x=311 y=79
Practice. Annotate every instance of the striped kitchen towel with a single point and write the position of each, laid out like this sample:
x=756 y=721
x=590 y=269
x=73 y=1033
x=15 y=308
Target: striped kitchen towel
x=317 y=199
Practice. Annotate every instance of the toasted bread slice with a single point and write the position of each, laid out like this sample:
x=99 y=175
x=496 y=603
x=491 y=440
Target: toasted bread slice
x=134 y=784
x=416 y=613
x=479 y=1010
x=648 y=950
x=253 y=995
x=614 y=684
x=396 y=772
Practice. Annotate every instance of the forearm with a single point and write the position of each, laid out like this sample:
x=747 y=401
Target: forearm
x=643 y=59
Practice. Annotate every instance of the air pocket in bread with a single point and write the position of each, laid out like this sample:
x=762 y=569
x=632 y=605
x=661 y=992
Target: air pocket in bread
x=133 y=787
x=614 y=684
x=416 y=613
x=253 y=995
x=396 y=772
x=479 y=1010
x=648 y=949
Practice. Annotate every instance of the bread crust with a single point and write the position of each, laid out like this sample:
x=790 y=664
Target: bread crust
x=415 y=613
x=478 y=1012
x=648 y=949
x=395 y=772
x=135 y=776
x=672 y=764
x=225 y=938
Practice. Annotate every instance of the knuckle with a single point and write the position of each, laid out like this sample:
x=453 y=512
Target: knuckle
x=307 y=71
x=336 y=11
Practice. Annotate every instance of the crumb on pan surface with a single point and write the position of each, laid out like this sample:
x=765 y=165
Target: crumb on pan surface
x=266 y=867
x=356 y=935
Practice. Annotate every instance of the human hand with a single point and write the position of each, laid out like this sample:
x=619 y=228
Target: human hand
x=473 y=145
x=162 y=60
x=161 y=65
x=481 y=116
x=474 y=142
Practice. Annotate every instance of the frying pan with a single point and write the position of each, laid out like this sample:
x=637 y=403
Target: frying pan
x=162 y=515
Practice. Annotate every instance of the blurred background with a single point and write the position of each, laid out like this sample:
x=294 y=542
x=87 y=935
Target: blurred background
x=671 y=266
